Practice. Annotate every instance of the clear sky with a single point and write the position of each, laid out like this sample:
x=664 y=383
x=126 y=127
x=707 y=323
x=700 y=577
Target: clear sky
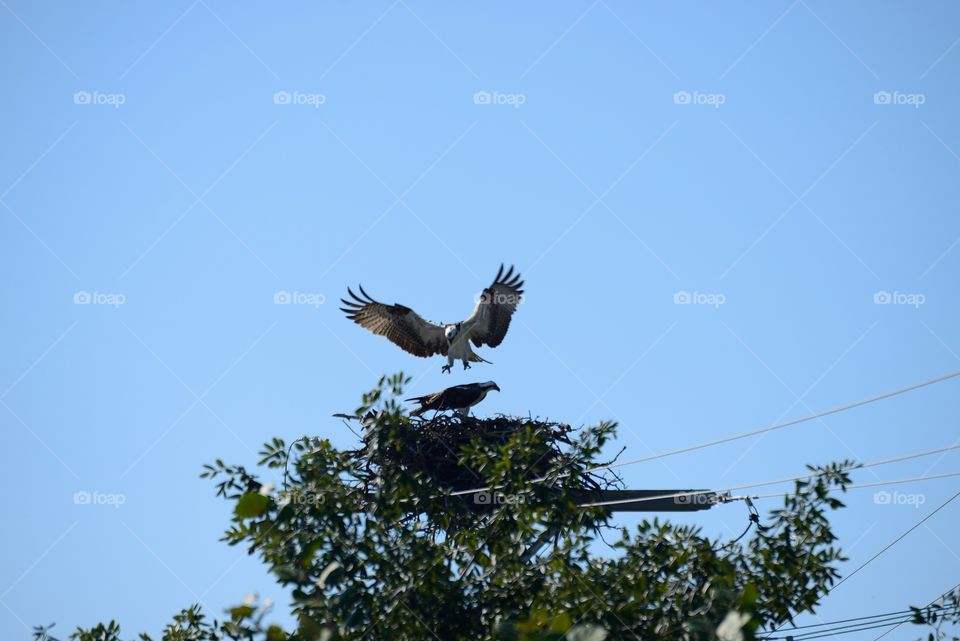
x=168 y=169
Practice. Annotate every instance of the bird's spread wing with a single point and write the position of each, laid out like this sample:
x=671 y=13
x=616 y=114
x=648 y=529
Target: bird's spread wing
x=400 y=324
x=491 y=317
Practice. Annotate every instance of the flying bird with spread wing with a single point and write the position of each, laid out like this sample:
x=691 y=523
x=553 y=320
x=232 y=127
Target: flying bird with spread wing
x=459 y=398
x=487 y=325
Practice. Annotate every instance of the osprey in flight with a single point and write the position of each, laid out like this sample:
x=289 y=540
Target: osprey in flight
x=459 y=397
x=487 y=325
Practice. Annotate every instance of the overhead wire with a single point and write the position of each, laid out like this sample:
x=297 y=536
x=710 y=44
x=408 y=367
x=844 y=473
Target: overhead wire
x=831 y=589
x=858 y=486
x=742 y=435
x=838 y=622
x=789 y=479
x=819 y=634
x=957 y=586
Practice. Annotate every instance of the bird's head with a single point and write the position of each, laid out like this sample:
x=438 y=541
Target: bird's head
x=451 y=331
x=490 y=385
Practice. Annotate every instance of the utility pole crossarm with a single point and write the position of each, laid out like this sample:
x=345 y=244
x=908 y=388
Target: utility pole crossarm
x=646 y=500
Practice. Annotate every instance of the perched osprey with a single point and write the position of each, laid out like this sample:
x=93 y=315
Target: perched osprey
x=459 y=397
x=487 y=324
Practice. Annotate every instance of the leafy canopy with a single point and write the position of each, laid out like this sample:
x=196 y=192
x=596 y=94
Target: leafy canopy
x=371 y=544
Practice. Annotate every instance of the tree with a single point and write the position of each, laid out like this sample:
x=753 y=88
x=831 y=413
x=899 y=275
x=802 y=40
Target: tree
x=943 y=611
x=374 y=544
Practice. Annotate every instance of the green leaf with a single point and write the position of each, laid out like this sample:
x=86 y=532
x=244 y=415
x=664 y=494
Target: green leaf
x=748 y=596
x=561 y=623
x=242 y=612
x=250 y=505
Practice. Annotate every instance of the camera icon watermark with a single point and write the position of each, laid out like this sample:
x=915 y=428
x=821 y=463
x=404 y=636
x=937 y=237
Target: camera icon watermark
x=884 y=297
x=95 y=98
x=84 y=497
x=899 y=498
x=98 y=298
x=715 y=100
x=499 y=98
x=283 y=297
x=897 y=98
x=684 y=297
x=314 y=100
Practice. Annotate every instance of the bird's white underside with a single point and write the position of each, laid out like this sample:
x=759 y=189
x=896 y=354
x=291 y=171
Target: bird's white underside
x=459 y=349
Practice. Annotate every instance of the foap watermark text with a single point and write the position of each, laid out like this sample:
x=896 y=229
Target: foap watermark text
x=497 y=98
x=899 y=498
x=99 y=98
x=299 y=98
x=884 y=297
x=283 y=297
x=684 y=297
x=84 y=497
x=899 y=98
x=497 y=498
x=714 y=100
x=98 y=298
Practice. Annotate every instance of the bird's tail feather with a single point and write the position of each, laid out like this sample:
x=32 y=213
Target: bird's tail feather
x=417 y=399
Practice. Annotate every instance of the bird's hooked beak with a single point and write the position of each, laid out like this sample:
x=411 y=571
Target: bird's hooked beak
x=496 y=387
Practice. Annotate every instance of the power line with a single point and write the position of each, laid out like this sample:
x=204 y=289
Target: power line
x=927 y=606
x=741 y=435
x=778 y=426
x=856 y=624
x=830 y=633
x=788 y=479
x=886 y=615
x=907 y=457
x=877 y=555
x=857 y=486
x=728 y=499
x=819 y=634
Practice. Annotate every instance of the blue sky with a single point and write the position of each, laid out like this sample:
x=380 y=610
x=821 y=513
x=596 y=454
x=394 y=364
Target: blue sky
x=789 y=168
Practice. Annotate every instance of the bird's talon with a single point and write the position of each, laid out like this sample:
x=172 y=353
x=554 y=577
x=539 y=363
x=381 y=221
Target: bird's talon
x=466 y=365
x=445 y=369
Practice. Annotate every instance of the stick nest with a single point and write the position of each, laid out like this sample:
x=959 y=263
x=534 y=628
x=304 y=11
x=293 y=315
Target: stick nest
x=437 y=447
